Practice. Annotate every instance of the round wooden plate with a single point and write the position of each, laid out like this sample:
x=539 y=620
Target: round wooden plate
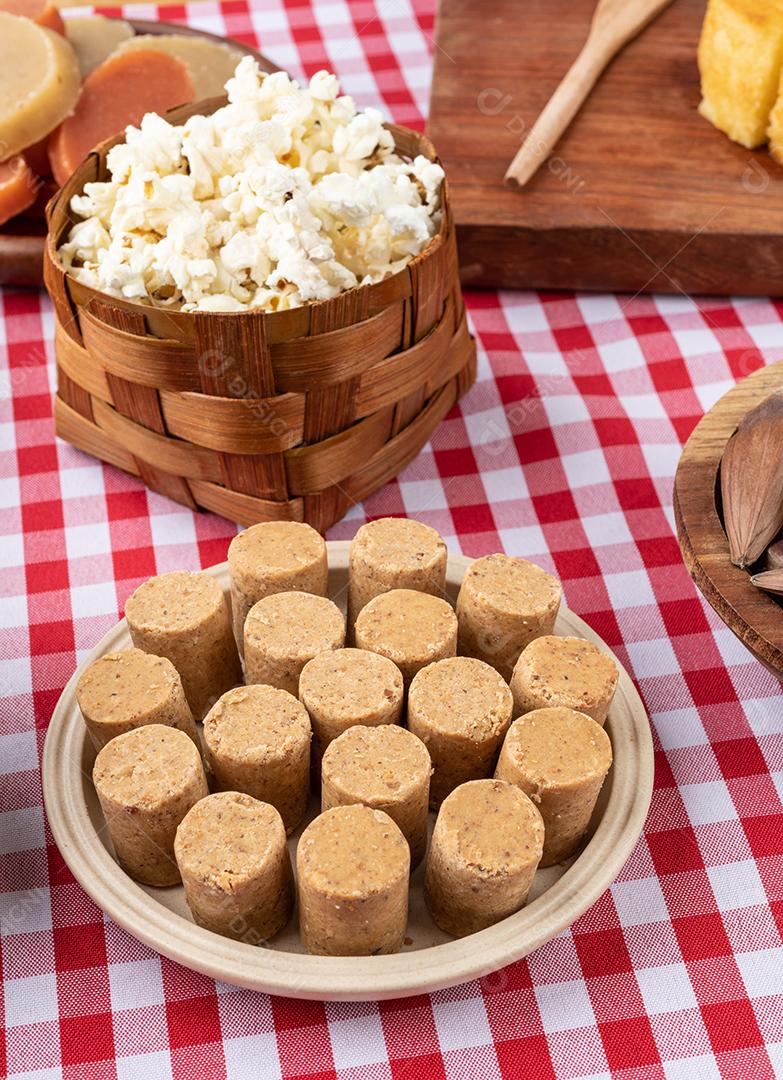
x=433 y=960
x=22 y=239
x=752 y=614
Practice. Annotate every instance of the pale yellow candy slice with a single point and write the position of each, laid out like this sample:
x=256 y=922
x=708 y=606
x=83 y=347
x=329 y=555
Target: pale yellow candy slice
x=39 y=82
x=94 y=38
x=211 y=64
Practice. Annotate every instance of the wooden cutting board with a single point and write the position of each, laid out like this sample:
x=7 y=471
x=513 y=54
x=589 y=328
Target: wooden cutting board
x=642 y=193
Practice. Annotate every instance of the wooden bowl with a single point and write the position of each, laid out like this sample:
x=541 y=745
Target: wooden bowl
x=753 y=615
x=431 y=960
x=22 y=240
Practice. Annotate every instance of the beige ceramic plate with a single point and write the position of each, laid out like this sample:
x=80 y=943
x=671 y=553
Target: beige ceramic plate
x=160 y=918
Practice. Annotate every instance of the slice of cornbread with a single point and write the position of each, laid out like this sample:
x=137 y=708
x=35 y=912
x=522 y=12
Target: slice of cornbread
x=775 y=129
x=740 y=60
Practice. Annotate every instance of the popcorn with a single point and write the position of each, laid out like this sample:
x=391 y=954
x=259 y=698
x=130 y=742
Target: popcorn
x=360 y=136
x=324 y=87
x=284 y=196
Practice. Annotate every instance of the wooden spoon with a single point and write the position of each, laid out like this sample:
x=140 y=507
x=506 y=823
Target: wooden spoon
x=615 y=23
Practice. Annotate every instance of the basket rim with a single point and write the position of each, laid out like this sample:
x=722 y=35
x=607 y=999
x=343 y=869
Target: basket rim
x=96 y=161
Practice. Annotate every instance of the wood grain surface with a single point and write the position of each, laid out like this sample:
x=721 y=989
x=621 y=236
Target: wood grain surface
x=754 y=616
x=641 y=194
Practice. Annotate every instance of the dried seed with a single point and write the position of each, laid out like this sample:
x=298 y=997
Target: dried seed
x=752 y=482
x=769 y=581
x=773 y=559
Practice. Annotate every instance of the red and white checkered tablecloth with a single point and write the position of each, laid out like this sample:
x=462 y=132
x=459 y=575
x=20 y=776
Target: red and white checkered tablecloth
x=563 y=452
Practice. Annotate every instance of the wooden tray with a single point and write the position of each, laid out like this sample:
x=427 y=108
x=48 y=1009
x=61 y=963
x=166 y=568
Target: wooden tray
x=754 y=616
x=23 y=238
x=642 y=193
x=160 y=918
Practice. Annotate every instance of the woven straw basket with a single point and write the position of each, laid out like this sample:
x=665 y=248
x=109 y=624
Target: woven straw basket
x=261 y=416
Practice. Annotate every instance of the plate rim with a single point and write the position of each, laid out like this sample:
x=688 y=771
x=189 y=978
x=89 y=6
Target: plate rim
x=347 y=978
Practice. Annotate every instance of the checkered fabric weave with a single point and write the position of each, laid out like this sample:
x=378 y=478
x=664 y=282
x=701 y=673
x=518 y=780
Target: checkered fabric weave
x=564 y=452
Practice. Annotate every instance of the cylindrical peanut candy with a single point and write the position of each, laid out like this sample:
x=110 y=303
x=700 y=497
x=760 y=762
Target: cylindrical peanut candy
x=344 y=687
x=566 y=672
x=394 y=553
x=386 y=768
x=286 y=630
x=231 y=852
x=486 y=846
x=352 y=868
x=460 y=708
x=128 y=689
x=147 y=780
x=410 y=628
x=559 y=758
x=184 y=617
x=257 y=740
x=272 y=557
x=503 y=604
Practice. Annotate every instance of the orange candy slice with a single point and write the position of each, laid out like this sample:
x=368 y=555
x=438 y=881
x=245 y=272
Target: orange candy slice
x=18 y=187
x=117 y=93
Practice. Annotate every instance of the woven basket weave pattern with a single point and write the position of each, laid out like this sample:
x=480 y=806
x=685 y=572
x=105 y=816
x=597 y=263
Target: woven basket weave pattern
x=289 y=415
